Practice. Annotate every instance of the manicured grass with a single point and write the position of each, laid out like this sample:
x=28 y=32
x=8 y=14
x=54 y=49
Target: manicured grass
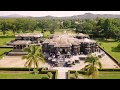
x=109 y=75
x=3 y=50
x=23 y=76
x=110 y=47
x=5 y=39
x=103 y=75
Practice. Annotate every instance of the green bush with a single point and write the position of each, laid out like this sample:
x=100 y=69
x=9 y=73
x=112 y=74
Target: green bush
x=50 y=75
x=56 y=75
x=54 y=72
x=73 y=77
x=69 y=72
x=35 y=71
x=76 y=74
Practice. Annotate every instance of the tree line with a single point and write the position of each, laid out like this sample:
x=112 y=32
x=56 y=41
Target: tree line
x=99 y=27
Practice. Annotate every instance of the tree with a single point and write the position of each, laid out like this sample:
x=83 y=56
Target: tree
x=52 y=26
x=44 y=25
x=32 y=24
x=79 y=28
x=108 y=27
x=34 y=55
x=92 y=66
x=4 y=25
x=98 y=28
x=67 y=24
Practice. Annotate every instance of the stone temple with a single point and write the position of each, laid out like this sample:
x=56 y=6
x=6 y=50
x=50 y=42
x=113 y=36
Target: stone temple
x=66 y=44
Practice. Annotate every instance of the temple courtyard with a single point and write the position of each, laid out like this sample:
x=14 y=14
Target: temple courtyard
x=16 y=61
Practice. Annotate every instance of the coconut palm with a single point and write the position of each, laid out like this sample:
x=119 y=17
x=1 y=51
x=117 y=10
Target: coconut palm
x=34 y=55
x=92 y=66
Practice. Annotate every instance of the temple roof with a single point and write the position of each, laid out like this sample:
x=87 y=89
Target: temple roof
x=81 y=34
x=62 y=41
x=21 y=42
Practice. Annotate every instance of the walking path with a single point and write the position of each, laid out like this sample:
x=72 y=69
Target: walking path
x=62 y=75
x=62 y=72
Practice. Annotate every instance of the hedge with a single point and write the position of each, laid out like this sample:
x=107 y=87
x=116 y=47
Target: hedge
x=83 y=72
x=54 y=72
x=17 y=69
x=41 y=70
x=6 y=47
x=69 y=72
x=109 y=69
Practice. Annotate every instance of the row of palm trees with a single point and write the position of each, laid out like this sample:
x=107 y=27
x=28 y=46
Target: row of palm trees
x=34 y=55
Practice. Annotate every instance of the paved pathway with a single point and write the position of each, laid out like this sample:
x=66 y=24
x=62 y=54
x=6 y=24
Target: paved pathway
x=62 y=72
x=62 y=75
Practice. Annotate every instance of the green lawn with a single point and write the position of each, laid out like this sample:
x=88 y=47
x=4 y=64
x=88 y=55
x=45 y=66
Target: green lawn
x=103 y=75
x=5 y=39
x=3 y=50
x=110 y=47
x=109 y=75
x=23 y=76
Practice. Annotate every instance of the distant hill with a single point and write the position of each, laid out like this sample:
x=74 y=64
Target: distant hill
x=14 y=16
x=84 y=16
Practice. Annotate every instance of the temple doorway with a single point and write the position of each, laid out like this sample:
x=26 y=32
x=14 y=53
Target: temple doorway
x=63 y=51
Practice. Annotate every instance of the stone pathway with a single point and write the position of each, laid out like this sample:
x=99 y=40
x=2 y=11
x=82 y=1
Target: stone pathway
x=62 y=75
x=62 y=72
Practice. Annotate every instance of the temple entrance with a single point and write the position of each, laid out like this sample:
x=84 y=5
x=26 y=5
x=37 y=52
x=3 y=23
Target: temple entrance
x=63 y=51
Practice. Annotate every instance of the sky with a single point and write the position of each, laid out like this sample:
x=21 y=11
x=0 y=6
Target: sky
x=54 y=13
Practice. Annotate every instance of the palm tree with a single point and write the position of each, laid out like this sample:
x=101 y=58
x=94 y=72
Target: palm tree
x=92 y=66
x=34 y=55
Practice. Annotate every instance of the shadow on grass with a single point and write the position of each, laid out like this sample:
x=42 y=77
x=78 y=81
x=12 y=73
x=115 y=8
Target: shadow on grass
x=44 y=78
x=7 y=36
x=115 y=49
x=106 y=40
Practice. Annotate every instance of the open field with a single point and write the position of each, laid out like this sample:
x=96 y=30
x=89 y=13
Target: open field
x=110 y=47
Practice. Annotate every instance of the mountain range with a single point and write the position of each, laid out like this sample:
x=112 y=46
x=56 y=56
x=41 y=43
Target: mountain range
x=84 y=16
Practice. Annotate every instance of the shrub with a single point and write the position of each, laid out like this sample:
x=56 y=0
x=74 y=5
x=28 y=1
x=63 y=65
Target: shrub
x=70 y=72
x=17 y=69
x=76 y=74
x=109 y=69
x=56 y=75
x=50 y=75
x=35 y=71
x=73 y=77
